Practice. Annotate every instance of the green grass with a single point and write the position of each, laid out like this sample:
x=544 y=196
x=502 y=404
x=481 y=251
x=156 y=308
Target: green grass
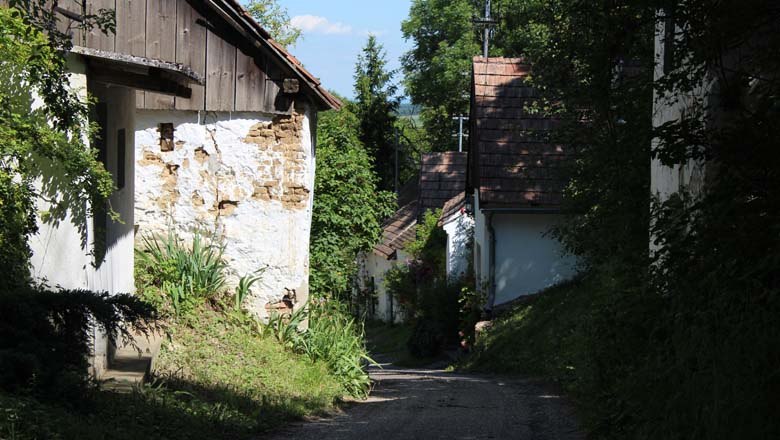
x=217 y=378
x=542 y=336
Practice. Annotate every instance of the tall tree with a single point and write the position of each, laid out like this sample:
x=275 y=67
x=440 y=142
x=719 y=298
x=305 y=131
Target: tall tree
x=376 y=107
x=276 y=20
x=348 y=208
x=439 y=65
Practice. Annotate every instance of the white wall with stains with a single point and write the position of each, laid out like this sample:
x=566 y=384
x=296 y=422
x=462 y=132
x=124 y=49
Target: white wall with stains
x=248 y=178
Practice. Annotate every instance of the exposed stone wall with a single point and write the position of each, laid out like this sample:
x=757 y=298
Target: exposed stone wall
x=247 y=177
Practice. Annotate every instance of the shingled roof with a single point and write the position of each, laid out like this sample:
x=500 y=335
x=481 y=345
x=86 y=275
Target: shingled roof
x=511 y=162
x=442 y=177
x=399 y=230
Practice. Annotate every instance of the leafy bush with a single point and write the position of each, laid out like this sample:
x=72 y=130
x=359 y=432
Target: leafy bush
x=426 y=340
x=333 y=336
x=46 y=336
x=348 y=209
x=184 y=275
x=336 y=338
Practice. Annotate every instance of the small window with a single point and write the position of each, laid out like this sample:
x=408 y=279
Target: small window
x=166 y=136
x=121 y=152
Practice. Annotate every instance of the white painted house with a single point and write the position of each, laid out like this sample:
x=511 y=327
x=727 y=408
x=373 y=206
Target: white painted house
x=206 y=123
x=514 y=185
x=458 y=224
x=442 y=177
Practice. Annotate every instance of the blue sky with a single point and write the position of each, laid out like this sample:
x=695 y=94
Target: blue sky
x=334 y=31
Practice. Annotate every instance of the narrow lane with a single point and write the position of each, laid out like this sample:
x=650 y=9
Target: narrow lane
x=434 y=404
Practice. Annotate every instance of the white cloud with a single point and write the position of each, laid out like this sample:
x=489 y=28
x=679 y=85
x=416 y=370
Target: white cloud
x=319 y=25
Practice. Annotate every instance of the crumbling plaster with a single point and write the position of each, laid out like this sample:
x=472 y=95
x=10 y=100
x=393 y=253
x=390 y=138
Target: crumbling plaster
x=246 y=177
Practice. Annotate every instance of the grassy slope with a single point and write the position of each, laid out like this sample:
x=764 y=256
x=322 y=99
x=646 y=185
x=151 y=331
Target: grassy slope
x=545 y=337
x=233 y=383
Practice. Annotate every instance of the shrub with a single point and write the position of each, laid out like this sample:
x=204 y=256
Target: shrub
x=46 y=336
x=333 y=337
x=184 y=275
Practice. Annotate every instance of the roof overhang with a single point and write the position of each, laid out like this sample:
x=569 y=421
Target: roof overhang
x=139 y=72
x=244 y=25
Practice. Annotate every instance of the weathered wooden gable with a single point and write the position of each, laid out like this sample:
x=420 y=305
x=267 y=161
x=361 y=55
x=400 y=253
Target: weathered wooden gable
x=238 y=75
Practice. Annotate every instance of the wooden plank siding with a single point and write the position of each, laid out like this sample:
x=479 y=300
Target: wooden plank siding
x=220 y=74
x=96 y=39
x=238 y=75
x=160 y=44
x=191 y=35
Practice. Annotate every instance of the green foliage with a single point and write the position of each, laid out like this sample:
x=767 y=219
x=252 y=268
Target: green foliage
x=46 y=336
x=348 y=209
x=39 y=143
x=338 y=339
x=275 y=19
x=689 y=349
x=376 y=106
x=185 y=275
x=425 y=268
x=244 y=286
x=333 y=336
x=437 y=69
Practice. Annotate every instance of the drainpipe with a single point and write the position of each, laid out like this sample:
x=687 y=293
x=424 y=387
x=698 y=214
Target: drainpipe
x=491 y=299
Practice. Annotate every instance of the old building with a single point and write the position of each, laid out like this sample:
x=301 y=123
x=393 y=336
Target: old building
x=206 y=124
x=515 y=185
x=442 y=177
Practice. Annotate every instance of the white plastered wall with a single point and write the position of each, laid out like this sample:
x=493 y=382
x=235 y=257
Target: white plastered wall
x=459 y=228
x=63 y=250
x=528 y=260
x=665 y=180
x=239 y=176
x=374 y=269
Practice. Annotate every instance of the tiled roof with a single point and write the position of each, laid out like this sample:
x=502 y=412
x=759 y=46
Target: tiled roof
x=309 y=80
x=442 y=176
x=452 y=207
x=399 y=230
x=512 y=164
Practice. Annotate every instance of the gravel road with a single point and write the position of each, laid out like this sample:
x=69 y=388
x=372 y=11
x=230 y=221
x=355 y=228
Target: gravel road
x=434 y=404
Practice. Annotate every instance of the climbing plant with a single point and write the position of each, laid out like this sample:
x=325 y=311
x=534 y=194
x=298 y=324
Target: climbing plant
x=348 y=208
x=43 y=127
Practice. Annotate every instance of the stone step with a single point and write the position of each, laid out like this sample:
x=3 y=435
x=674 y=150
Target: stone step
x=132 y=363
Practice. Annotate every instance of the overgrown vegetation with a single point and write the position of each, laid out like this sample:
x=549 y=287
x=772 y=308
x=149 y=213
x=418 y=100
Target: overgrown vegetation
x=348 y=208
x=421 y=287
x=180 y=276
x=679 y=342
x=40 y=143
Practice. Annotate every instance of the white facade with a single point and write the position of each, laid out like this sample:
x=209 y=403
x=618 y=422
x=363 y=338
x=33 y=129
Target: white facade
x=248 y=178
x=666 y=180
x=64 y=248
x=459 y=228
x=526 y=259
x=373 y=268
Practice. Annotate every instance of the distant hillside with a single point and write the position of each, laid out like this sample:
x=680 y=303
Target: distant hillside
x=408 y=109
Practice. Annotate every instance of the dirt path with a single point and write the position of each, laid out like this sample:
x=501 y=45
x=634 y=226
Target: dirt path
x=434 y=404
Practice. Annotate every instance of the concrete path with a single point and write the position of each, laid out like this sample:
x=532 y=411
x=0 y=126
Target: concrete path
x=434 y=404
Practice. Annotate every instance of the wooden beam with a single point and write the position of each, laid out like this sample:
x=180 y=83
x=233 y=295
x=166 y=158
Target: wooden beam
x=154 y=81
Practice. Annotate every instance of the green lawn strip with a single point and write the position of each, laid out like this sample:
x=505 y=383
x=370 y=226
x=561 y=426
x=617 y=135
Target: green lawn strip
x=544 y=337
x=215 y=378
